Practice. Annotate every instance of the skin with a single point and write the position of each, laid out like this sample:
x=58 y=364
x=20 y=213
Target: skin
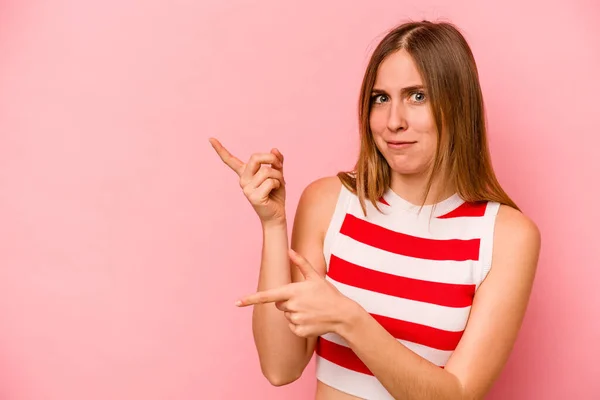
x=400 y=112
x=311 y=306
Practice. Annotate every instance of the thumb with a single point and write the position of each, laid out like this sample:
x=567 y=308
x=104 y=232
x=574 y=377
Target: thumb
x=303 y=265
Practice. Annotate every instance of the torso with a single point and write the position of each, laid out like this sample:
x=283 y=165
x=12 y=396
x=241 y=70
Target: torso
x=415 y=273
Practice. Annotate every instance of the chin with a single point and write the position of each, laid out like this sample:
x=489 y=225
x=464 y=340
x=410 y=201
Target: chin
x=407 y=169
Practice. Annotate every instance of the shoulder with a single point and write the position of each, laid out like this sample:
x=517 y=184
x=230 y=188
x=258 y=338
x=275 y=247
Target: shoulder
x=321 y=195
x=513 y=225
x=517 y=241
x=318 y=200
x=323 y=188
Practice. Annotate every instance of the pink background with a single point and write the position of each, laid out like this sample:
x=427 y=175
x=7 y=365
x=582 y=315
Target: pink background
x=124 y=241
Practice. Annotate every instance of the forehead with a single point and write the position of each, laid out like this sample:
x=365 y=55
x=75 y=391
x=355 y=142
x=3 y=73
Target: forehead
x=397 y=70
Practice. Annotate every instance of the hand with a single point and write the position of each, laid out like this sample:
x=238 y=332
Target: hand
x=261 y=179
x=312 y=307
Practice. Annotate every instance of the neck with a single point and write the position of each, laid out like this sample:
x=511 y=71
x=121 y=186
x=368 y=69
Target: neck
x=411 y=187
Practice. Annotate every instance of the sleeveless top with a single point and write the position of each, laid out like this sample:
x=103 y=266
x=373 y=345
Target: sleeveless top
x=414 y=270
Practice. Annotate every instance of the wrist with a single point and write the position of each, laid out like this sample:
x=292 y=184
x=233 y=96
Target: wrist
x=275 y=224
x=351 y=317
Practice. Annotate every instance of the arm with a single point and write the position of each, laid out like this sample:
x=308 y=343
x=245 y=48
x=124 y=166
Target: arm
x=283 y=355
x=495 y=320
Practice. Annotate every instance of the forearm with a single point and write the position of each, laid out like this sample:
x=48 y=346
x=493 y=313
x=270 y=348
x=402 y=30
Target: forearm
x=403 y=373
x=282 y=354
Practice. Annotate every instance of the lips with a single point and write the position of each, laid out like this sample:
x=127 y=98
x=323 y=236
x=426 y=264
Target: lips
x=400 y=144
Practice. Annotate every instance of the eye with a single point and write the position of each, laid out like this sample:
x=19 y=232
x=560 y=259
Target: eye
x=418 y=97
x=379 y=98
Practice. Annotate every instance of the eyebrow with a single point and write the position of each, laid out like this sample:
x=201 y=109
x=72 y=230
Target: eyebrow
x=403 y=91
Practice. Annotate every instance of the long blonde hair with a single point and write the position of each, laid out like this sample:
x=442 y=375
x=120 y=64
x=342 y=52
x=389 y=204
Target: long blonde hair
x=447 y=66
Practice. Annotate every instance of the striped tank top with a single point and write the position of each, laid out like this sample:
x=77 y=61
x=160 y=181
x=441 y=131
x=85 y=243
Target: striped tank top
x=415 y=272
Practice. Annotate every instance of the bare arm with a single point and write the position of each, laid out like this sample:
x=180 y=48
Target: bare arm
x=283 y=355
x=496 y=317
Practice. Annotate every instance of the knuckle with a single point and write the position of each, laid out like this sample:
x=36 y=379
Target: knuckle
x=276 y=174
x=254 y=198
x=300 y=331
x=262 y=173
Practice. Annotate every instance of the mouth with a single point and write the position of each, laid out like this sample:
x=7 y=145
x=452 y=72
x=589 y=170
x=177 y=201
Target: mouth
x=400 y=144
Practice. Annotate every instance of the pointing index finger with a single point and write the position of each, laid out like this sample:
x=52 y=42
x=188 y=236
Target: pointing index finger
x=266 y=296
x=229 y=159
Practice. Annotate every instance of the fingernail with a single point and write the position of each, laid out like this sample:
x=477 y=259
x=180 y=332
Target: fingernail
x=238 y=303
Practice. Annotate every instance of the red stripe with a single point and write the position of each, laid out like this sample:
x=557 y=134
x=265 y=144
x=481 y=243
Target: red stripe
x=382 y=200
x=467 y=210
x=421 y=334
x=341 y=355
x=443 y=294
x=407 y=245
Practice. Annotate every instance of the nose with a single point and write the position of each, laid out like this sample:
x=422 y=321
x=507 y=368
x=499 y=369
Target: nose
x=396 y=118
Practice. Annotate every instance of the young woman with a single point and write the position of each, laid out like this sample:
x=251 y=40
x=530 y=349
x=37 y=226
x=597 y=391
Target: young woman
x=409 y=275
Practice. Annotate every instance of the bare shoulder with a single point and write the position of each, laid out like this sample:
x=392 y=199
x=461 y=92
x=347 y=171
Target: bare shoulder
x=517 y=240
x=512 y=224
x=322 y=190
x=313 y=215
x=320 y=197
x=317 y=202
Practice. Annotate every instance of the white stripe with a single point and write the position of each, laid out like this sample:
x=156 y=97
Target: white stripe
x=435 y=356
x=336 y=220
x=433 y=315
x=462 y=228
x=492 y=209
x=487 y=242
x=351 y=382
x=456 y=272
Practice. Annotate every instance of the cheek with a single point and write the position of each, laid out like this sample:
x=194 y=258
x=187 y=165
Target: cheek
x=424 y=124
x=427 y=147
x=377 y=123
x=422 y=119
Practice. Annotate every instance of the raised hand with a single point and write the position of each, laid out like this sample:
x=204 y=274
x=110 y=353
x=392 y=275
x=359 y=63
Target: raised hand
x=261 y=179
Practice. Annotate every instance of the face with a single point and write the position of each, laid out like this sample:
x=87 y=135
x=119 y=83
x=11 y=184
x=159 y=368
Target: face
x=401 y=121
